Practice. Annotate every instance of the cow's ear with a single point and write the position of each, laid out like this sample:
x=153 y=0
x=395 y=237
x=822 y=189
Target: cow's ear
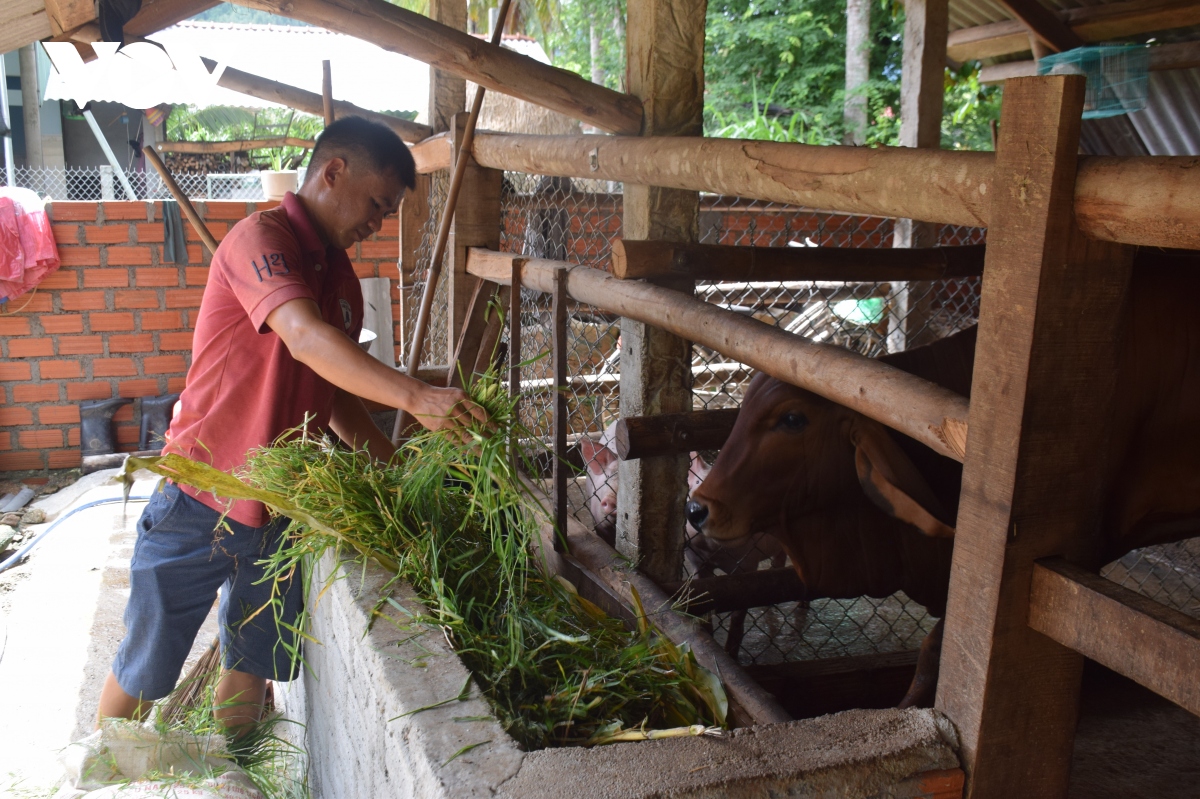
x=893 y=483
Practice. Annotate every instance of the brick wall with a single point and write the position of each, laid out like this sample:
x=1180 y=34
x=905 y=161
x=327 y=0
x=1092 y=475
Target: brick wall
x=114 y=320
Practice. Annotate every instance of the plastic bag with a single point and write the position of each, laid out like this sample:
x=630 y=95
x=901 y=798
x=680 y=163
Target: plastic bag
x=27 y=259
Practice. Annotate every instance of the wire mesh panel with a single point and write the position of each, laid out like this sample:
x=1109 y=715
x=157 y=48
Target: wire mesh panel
x=1166 y=573
x=103 y=183
x=436 y=350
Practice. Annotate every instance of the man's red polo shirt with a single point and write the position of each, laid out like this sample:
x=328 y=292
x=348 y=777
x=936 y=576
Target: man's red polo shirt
x=244 y=389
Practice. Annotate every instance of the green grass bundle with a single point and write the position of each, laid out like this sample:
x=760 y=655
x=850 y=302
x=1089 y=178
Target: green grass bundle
x=457 y=524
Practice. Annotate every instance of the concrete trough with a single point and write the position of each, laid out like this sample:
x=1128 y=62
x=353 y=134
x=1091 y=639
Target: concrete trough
x=373 y=666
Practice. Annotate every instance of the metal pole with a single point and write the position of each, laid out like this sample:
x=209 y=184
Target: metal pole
x=108 y=153
x=8 y=151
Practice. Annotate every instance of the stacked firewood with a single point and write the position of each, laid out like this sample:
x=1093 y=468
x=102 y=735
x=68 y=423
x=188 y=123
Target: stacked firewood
x=198 y=163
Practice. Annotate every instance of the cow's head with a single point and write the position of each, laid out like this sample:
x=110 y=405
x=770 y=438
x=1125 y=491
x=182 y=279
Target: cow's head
x=793 y=449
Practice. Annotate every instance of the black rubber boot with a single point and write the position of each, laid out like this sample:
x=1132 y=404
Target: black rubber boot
x=96 y=436
x=156 y=418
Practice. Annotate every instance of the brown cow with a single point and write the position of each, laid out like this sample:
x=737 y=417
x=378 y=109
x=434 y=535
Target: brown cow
x=864 y=510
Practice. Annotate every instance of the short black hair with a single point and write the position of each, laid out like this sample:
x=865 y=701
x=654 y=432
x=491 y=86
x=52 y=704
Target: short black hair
x=355 y=140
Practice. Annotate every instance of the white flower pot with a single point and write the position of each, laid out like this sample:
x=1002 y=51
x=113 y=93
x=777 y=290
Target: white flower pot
x=277 y=184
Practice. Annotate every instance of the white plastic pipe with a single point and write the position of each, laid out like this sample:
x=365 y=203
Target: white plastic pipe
x=108 y=153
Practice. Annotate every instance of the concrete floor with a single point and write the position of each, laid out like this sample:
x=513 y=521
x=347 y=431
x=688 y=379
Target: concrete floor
x=60 y=625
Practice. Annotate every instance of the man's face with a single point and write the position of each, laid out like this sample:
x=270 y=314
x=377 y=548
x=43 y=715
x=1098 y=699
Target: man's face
x=358 y=200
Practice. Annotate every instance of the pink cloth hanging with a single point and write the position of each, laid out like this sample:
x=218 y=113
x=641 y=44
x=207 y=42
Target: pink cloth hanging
x=27 y=249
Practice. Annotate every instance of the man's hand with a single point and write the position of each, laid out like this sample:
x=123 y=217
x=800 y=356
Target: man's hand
x=447 y=408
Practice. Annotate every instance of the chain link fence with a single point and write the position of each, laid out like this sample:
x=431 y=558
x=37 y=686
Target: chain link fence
x=103 y=183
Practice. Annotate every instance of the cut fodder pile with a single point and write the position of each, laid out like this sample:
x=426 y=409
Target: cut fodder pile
x=457 y=524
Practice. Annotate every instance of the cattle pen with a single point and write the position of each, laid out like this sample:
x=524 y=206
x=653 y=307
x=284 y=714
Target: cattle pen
x=637 y=277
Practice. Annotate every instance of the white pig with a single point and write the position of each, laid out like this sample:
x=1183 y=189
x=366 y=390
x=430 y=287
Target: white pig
x=600 y=461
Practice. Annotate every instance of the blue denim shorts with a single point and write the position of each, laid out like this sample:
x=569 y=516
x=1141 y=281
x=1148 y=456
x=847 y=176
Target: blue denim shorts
x=182 y=556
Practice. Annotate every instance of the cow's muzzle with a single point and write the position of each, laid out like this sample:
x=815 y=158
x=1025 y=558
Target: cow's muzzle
x=697 y=514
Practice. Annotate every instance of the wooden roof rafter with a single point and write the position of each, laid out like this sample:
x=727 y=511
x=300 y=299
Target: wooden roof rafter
x=1044 y=24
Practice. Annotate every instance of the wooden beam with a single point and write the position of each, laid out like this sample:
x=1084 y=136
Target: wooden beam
x=1133 y=635
x=922 y=410
x=434 y=153
x=495 y=68
x=67 y=15
x=931 y=185
x=752 y=589
x=1163 y=57
x=1091 y=24
x=23 y=22
x=231 y=146
x=673 y=433
x=1044 y=24
x=311 y=102
x=641 y=260
x=447 y=91
x=155 y=15
x=1044 y=377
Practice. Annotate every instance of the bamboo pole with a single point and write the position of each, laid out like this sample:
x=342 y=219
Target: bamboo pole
x=1145 y=200
x=232 y=146
x=311 y=102
x=421 y=328
x=327 y=92
x=922 y=410
x=185 y=204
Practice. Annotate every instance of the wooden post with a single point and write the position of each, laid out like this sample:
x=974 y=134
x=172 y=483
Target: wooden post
x=665 y=69
x=327 y=92
x=559 y=315
x=447 y=91
x=922 y=86
x=1045 y=373
x=476 y=224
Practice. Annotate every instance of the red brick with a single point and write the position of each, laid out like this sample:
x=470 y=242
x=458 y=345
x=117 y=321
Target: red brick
x=156 y=277
x=164 y=364
x=15 y=371
x=175 y=385
x=80 y=345
x=136 y=299
x=21 y=461
x=110 y=322
x=124 y=414
x=62 y=323
x=73 y=436
x=73 y=211
x=196 y=275
x=38 y=302
x=150 y=233
x=40 y=439
x=14 y=326
x=390 y=229
x=365 y=269
x=88 y=391
x=129 y=256
x=105 y=278
x=379 y=249
x=30 y=348
x=225 y=210
x=175 y=341
x=128 y=434
x=162 y=320
x=128 y=211
x=66 y=234
x=138 y=388
x=36 y=392
x=139 y=342
x=389 y=269
x=184 y=298
x=5 y=440
x=113 y=367
x=79 y=256
x=58 y=370
x=60 y=279
x=13 y=417
x=58 y=414
x=83 y=301
x=107 y=234
x=218 y=229
x=196 y=254
x=65 y=458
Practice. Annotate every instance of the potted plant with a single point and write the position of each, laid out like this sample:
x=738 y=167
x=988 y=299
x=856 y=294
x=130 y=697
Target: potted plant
x=279 y=179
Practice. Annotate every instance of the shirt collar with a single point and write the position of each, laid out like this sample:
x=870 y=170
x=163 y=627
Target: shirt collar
x=302 y=224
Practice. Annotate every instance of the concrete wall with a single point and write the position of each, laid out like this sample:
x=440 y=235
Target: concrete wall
x=358 y=686
x=114 y=320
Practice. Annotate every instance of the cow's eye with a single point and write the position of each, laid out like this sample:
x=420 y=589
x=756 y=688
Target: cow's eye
x=793 y=421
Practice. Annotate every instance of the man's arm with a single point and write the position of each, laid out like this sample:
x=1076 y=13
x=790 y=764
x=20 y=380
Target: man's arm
x=354 y=425
x=332 y=355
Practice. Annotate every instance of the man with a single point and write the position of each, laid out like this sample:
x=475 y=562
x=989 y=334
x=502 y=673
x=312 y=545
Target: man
x=275 y=342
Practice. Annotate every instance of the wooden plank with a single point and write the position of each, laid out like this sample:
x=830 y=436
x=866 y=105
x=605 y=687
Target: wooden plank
x=932 y=185
x=67 y=15
x=495 y=68
x=665 y=71
x=641 y=260
x=1133 y=635
x=1092 y=24
x=1044 y=377
x=434 y=153
x=673 y=433
x=155 y=15
x=922 y=410
x=462 y=363
x=1163 y=57
x=231 y=146
x=23 y=22
x=1044 y=24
